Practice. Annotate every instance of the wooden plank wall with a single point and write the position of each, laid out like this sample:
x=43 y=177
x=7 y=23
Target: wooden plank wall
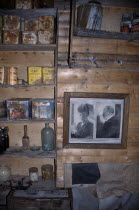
x=99 y=65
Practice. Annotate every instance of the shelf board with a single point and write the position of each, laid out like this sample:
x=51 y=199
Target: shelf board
x=6 y=85
x=5 y=120
x=130 y=36
x=19 y=152
x=22 y=47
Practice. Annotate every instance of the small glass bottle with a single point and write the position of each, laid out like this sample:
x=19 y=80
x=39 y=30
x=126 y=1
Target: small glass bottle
x=47 y=172
x=25 y=139
x=33 y=174
x=47 y=137
x=5 y=172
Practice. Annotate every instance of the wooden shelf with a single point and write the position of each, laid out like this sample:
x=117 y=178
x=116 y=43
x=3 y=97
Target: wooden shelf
x=6 y=86
x=4 y=120
x=107 y=34
x=22 y=47
x=19 y=152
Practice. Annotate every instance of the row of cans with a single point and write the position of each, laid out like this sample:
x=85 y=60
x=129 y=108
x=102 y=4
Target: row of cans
x=17 y=37
x=34 y=4
x=14 y=22
x=8 y=75
x=36 y=75
x=36 y=30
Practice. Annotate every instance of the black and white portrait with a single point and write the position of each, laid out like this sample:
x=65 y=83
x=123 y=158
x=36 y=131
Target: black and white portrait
x=95 y=120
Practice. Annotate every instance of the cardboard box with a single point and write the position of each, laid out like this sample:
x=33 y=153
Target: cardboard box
x=18 y=109
x=34 y=75
x=42 y=109
x=47 y=75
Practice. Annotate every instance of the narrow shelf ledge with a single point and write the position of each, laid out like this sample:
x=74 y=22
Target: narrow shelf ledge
x=19 y=152
x=4 y=120
x=22 y=47
x=130 y=36
x=6 y=86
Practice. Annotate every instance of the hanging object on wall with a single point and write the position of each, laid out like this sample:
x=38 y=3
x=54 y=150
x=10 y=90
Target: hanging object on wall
x=89 y=15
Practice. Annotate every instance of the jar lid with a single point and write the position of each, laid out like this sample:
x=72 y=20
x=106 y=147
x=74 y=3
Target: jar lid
x=47 y=166
x=33 y=169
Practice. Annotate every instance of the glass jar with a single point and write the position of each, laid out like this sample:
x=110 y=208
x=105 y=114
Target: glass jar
x=47 y=137
x=47 y=172
x=33 y=174
x=5 y=172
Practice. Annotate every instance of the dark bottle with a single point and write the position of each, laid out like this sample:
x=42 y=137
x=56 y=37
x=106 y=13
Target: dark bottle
x=25 y=139
x=47 y=137
x=2 y=148
x=6 y=137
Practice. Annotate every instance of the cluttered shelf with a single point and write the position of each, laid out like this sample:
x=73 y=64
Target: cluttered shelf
x=33 y=152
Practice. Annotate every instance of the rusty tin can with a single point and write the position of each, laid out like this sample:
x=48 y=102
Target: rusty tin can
x=48 y=75
x=2 y=75
x=23 y=4
x=29 y=37
x=11 y=22
x=31 y=24
x=46 y=23
x=45 y=37
x=34 y=75
x=11 y=37
x=12 y=76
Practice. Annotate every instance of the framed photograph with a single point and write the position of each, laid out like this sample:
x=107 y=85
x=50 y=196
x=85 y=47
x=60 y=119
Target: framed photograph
x=95 y=120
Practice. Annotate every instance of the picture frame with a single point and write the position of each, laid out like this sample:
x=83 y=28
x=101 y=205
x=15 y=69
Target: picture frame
x=95 y=120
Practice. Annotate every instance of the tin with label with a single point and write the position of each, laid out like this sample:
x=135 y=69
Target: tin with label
x=11 y=37
x=29 y=38
x=12 y=76
x=31 y=24
x=47 y=75
x=45 y=37
x=2 y=74
x=34 y=75
x=46 y=23
x=11 y=22
x=23 y=4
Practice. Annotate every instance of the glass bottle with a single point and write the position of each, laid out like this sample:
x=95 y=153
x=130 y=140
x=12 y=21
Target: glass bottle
x=5 y=172
x=47 y=137
x=25 y=139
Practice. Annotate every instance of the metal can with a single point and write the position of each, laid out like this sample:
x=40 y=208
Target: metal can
x=1 y=75
x=12 y=76
x=47 y=172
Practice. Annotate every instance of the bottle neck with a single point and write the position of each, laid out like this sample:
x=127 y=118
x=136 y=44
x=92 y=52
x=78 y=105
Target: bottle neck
x=47 y=125
x=25 y=130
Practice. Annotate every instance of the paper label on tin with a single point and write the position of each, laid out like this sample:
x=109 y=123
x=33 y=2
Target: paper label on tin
x=34 y=75
x=48 y=75
x=2 y=75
